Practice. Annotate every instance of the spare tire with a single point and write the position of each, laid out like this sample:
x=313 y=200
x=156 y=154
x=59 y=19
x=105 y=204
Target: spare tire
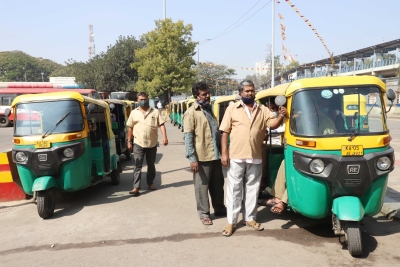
x=4 y=121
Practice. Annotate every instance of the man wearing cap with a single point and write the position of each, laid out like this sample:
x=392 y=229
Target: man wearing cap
x=245 y=123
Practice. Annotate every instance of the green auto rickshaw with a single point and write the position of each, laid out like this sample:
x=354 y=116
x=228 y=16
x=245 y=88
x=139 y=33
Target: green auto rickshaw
x=62 y=141
x=331 y=170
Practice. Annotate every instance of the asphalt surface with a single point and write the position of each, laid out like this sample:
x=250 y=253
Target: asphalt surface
x=105 y=226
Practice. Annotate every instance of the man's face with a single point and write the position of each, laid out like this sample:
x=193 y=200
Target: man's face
x=248 y=91
x=204 y=95
x=273 y=107
x=142 y=97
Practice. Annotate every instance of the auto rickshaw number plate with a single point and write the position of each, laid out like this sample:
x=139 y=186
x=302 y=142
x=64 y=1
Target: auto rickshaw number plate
x=42 y=144
x=352 y=150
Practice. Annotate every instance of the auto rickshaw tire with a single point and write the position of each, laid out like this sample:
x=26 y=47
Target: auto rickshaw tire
x=128 y=155
x=353 y=238
x=46 y=203
x=4 y=121
x=182 y=129
x=115 y=178
x=174 y=123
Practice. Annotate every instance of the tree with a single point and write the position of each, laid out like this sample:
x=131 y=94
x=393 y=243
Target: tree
x=17 y=66
x=218 y=77
x=165 y=65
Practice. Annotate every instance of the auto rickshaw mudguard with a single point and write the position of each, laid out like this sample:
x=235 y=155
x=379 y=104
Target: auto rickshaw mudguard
x=44 y=183
x=348 y=208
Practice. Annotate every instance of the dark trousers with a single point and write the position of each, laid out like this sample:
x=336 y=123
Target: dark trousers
x=138 y=155
x=209 y=179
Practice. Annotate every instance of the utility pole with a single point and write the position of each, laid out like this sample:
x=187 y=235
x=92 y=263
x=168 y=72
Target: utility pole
x=92 y=51
x=273 y=46
x=165 y=9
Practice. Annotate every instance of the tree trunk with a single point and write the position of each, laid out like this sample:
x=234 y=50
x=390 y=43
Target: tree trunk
x=169 y=95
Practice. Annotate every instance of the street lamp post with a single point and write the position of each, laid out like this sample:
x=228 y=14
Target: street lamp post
x=42 y=76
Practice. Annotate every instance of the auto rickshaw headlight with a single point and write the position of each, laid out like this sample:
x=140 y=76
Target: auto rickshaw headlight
x=68 y=152
x=383 y=163
x=21 y=156
x=317 y=166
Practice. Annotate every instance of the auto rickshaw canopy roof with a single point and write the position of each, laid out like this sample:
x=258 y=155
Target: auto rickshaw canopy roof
x=274 y=91
x=226 y=99
x=116 y=101
x=64 y=95
x=338 y=81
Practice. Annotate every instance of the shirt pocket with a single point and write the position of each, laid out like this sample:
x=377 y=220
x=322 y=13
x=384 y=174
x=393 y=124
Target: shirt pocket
x=153 y=122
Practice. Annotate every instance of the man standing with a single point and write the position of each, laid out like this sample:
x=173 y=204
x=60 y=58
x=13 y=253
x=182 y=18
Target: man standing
x=203 y=146
x=143 y=123
x=159 y=105
x=245 y=122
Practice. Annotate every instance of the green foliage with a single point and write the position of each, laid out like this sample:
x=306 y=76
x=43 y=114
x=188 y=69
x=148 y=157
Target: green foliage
x=218 y=77
x=109 y=71
x=166 y=63
x=17 y=66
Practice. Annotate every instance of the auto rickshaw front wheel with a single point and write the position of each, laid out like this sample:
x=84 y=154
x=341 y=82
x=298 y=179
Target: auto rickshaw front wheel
x=353 y=238
x=46 y=203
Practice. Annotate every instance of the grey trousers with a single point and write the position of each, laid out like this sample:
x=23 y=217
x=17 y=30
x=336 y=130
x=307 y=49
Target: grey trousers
x=138 y=155
x=209 y=179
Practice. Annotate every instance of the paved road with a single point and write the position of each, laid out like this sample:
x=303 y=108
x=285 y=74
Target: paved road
x=104 y=226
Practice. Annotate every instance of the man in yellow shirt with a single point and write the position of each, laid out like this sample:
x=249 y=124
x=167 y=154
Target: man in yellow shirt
x=143 y=124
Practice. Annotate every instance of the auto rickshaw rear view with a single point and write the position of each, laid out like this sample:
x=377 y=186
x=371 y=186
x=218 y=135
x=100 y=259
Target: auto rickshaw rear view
x=62 y=141
x=337 y=158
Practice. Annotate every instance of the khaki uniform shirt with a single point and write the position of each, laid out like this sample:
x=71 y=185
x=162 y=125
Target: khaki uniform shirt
x=194 y=121
x=246 y=137
x=145 y=127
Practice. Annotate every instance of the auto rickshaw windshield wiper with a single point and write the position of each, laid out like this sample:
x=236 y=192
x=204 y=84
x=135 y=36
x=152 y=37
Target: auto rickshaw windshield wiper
x=357 y=130
x=58 y=122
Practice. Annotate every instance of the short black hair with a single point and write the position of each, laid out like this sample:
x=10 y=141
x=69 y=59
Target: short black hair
x=199 y=86
x=245 y=83
x=142 y=94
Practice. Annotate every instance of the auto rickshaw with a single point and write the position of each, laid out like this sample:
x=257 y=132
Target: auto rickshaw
x=350 y=111
x=221 y=104
x=119 y=117
x=181 y=110
x=173 y=112
x=62 y=141
x=189 y=103
x=130 y=107
x=331 y=170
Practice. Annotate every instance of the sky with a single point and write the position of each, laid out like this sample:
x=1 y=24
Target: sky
x=59 y=30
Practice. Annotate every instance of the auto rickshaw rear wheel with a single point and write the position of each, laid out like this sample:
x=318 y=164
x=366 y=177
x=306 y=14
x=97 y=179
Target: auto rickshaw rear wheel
x=115 y=178
x=46 y=203
x=128 y=154
x=353 y=238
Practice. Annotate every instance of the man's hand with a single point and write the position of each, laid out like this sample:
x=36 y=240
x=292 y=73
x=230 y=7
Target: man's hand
x=194 y=166
x=225 y=160
x=165 y=141
x=130 y=146
x=282 y=111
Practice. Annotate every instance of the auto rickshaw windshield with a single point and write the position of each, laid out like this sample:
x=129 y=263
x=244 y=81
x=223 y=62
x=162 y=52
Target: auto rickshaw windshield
x=36 y=118
x=337 y=111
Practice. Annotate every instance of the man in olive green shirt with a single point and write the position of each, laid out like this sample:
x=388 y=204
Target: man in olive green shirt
x=203 y=149
x=143 y=124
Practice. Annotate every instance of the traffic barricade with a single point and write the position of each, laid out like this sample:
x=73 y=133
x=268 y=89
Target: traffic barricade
x=10 y=184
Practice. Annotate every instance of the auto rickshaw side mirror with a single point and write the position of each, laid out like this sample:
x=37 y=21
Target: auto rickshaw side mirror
x=112 y=106
x=7 y=112
x=91 y=107
x=391 y=95
x=280 y=100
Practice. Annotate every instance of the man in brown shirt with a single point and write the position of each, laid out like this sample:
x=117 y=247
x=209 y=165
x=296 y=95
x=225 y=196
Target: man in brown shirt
x=245 y=122
x=203 y=149
x=143 y=124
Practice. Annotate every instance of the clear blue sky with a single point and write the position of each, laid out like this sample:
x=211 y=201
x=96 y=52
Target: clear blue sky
x=58 y=30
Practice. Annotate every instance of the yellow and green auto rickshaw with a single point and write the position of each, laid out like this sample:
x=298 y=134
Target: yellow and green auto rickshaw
x=62 y=141
x=119 y=117
x=181 y=110
x=221 y=104
x=130 y=107
x=351 y=111
x=173 y=112
x=189 y=103
x=331 y=170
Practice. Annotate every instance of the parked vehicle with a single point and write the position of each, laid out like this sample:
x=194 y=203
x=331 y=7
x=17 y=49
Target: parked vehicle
x=331 y=170
x=62 y=141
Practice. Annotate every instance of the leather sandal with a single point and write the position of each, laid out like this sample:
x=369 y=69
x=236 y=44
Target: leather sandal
x=228 y=230
x=255 y=225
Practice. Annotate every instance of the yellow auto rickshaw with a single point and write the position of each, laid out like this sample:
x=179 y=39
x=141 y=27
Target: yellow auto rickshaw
x=62 y=141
